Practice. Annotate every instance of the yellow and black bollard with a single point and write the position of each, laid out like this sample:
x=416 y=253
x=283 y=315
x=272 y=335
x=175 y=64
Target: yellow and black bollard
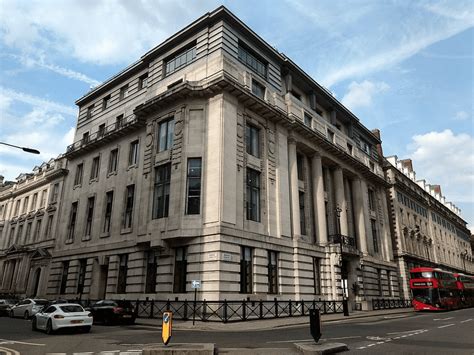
x=167 y=327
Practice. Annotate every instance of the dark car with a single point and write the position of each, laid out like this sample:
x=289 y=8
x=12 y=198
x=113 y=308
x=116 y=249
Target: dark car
x=113 y=312
x=5 y=306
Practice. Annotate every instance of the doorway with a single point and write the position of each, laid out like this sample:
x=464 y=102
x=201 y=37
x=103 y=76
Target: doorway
x=103 y=275
x=36 y=281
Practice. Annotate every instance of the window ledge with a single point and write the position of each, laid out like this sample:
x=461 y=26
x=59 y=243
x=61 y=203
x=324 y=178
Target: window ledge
x=104 y=235
x=78 y=186
x=69 y=241
x=112 y=173
x=133 y=166
x=91 y=181
x=86 y=238
x=126 y=230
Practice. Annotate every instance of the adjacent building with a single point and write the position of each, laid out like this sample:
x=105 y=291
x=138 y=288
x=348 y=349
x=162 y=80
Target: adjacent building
x=216 y=158
x=427 y=230
x=29 y=213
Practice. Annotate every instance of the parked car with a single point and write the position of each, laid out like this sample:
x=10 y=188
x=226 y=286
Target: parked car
x=27 y=308
x=109 y=312
x=62 y=315
x=5 y=305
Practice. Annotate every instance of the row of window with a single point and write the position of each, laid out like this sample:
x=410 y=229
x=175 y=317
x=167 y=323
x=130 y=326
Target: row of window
x=412 y=204
x=30 y=235
x=26 y=207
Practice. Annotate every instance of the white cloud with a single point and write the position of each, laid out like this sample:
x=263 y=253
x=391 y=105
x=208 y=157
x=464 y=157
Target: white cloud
x=461 y=116
x=447 y=159
x=101 y=32
x=360 y=94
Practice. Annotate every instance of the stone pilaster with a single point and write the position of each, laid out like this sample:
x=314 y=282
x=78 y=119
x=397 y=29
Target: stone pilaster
x=359 y=216
x=341 y=199
x=318 y=200
x=294 y=194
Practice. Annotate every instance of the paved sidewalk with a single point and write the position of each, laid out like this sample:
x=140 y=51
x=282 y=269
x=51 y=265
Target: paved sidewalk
x=265 y=324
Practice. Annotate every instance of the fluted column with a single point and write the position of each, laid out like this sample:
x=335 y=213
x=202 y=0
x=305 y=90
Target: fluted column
x=293 y=170
x=359 y=216
x=318 y=200
x=341 y=198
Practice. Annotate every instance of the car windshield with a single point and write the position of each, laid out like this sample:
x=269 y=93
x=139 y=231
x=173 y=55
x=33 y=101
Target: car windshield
x=41 y=302
x=71 y=308
x=125 y=304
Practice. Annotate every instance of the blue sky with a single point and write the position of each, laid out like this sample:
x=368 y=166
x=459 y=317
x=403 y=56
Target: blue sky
x=405 y=67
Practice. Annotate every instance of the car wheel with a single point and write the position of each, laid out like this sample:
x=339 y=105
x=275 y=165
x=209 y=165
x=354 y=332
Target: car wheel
x=87 y=329
x=26 y=315
x=33 y=324
x=49 y=327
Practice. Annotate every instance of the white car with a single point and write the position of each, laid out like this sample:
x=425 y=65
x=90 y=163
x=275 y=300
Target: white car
x=62 y=315
x=27 y=308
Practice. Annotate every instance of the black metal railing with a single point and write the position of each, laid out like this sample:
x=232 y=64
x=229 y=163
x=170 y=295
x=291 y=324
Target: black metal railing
x=229 y=311
x=346 y=240
x=386 y=303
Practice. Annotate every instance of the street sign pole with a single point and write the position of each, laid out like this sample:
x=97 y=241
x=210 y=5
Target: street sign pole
x=194 y=305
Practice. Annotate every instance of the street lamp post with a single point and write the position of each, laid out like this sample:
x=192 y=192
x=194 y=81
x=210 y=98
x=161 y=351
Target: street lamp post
x=25 y=149
x=345 y=305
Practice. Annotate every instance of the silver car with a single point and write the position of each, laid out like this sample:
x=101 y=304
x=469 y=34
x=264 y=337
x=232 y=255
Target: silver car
x=28 y=307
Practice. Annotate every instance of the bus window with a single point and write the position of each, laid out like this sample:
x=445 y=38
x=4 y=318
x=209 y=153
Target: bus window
x=426 y=295
x=422 y=275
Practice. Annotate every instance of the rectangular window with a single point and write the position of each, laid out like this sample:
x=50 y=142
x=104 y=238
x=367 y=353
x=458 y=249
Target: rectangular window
x=85 y=138
x=17 y=207
x=373 y=226
x=165 y=135
x=113 y=161
x=37 y=234
x=272 y=272
x=109 y=200
x=300 y=166
x=81 y=277
x=43 y=197
x=78 y=176
x=123 y=92
x=28 y=232
x=371 y=199
x=390 y=284
x=253 y=195
x=302 y=214
x=106 y=102
x=331 y=136
x=25 y=205
x=258 y=89
x=20 y=234
x=128 y=212
x=95 y=168
x=379 y=280
x=49 y=226
x=308 y=120
x=101 y=130
x=252 y=140
x=12 y=236
x=122 y=273
x=72 y=221
x=143 y=81
x=246 y=269
x=151 y=265
x=161 y=193
x=34 y=202
x=89 y=112
x=55 y=194
x=90 y=215
x=317 y=276
x=62 y=289
x=180 y=270
x=365 y=147
x=119 y=122
x=193 y=199
x=252 y=61
x=180 y=60
x=133 y=154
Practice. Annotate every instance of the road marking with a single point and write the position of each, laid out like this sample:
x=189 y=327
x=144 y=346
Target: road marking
x=289 y=341
x=371 y=345
x=380 y=342
x=396 y=338
x=467 y=320
x=19 y=342
x=9 y=351
x=340 y=338
x=447 y=325
x=393 y=317
x=362 y=347
x=435 y=319
x=407 y=331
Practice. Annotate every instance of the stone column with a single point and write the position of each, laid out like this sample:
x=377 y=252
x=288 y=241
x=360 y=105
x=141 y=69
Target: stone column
x=359 y=216
x=365 y=207
x=318 y=200
x=341 y=198
x=294 y=195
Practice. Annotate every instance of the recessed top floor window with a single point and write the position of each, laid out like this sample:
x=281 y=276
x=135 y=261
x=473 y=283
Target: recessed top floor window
x=308 y=120
x=101 y=130
x=85 y=137
x=106 y=102
x=143 y=81
x=123 y=92
x=119 y=120
x=179 y=60
x=365 y=147
x=252 y=60
x=89 y=112
x=252 y=140
x=258 y=89
x=165 y=135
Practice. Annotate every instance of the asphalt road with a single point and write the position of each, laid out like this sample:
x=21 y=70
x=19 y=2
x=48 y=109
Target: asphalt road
x=417 y=333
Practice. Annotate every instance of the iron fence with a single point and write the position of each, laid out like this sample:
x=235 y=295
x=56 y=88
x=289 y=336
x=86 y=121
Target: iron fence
x=385 y=303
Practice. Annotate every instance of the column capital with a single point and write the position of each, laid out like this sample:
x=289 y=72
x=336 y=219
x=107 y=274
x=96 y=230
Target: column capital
x=291 y=140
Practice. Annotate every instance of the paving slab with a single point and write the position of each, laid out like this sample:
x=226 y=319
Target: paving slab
x=180 y=349
x=320 y=349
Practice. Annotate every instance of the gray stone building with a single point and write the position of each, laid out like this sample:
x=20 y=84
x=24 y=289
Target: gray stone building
x=29 y=215
x=216 y=158
x=427 y=230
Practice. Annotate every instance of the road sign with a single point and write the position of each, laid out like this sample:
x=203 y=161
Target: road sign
x=196 y=284
x=166 y=327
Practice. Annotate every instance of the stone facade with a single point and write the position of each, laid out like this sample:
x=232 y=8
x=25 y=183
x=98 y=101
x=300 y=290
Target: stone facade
x=29 y=214
x=427 y=230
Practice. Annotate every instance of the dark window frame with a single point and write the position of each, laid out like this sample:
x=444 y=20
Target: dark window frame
x=317 y=275
x=252 y=140
x=113 y=161
x=72 y=220
x=95 y=167
x=180 y=269
x=253 y=202
x=81 y=276
x=64 y=277
x=246 y=269
x=161 y=191
x=258 y=89
x=180 y=59
x=165 y=136
x=252 y=60
x=109 y=200
x=122 y=273
x=272 y=272
x=89 y=216
x=193 y=193
x=134 y=152
x=151 y=272
x=79 y=174
x=143 y=81
x=128 y=206
x=301 y=200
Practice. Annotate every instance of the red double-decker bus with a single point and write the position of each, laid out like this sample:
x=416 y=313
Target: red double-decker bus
x=434 y=289
x=465 y=285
